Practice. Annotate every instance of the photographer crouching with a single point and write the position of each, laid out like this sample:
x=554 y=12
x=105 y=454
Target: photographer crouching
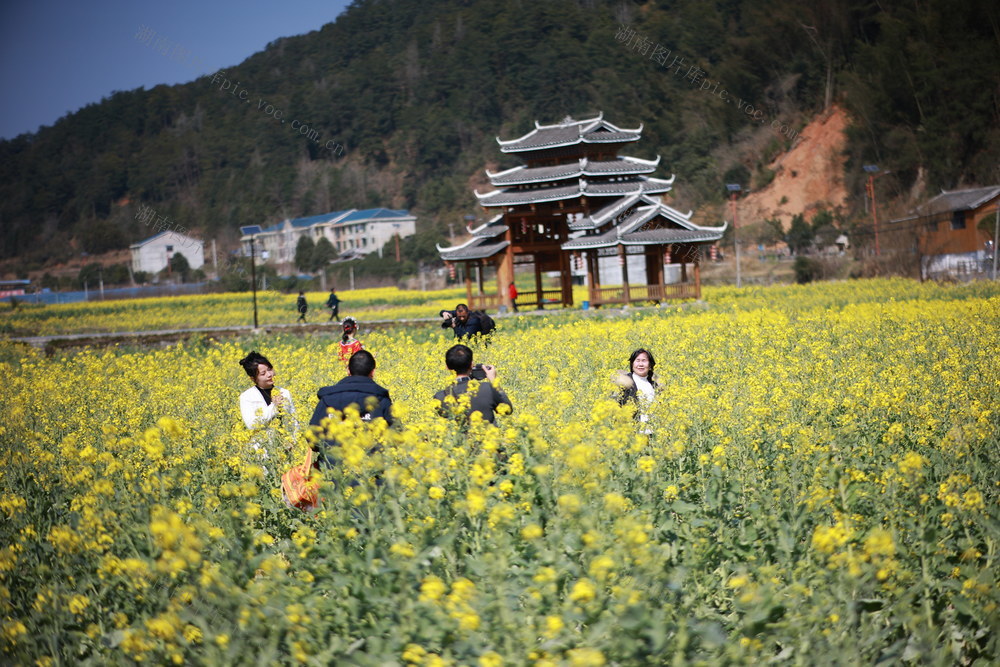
x=462 y=321
x=487 y=399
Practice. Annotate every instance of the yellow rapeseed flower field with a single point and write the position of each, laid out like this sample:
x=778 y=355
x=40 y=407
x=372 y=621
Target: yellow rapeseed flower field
x=819 y=485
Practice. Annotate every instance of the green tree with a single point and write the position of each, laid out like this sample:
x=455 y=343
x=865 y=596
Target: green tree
x=322 y=254
x=770 y=231
x=824 y=229
x=180 y=267
x=305 y=251
x=90 y=275
x=800 y=234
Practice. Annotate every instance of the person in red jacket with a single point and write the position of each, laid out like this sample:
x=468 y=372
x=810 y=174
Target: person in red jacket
x=512 y=291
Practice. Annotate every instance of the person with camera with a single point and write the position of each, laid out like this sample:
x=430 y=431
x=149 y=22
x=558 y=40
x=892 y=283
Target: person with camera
x=462 y=321
x=487 y=398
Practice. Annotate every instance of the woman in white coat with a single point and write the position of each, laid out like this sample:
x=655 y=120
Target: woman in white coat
x=262 y=404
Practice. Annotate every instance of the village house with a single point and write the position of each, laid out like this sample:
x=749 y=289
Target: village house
x=154 y=254
x=954 y=231
x=351 y=232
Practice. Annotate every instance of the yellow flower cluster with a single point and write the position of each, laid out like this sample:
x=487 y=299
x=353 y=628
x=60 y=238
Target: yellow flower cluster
x=808 y=445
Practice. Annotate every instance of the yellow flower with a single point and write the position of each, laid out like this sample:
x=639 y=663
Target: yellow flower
x=616 y=502
x=403 y=549
x=432 y=588
x=646 y=463
x=671 y=493
x=78 y=603
x=475 y=502
x=414 y=653
x=569 y=502
x=879 y=543
x=490 y=659
x=531 y=532
x=585 y=657
x=583 y=591
x=553 y=626
x=435 y=492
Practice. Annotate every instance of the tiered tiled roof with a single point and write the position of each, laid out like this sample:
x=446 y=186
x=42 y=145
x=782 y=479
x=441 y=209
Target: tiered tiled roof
x=483 y=243
x=651 y=224
x=570 y=132
x=583 y=167
x=583 y=187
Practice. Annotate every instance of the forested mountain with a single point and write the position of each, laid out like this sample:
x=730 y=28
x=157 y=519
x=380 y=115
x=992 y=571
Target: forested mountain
x=414 y=93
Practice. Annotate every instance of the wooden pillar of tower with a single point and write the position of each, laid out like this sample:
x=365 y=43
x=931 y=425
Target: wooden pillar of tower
x=468 y=283
x=566 y=278
x=623 y=258
x=505 y=271
x=479 y=275
x=591 y=275
x=697 y=276
x=654 y=270
x=538 y=283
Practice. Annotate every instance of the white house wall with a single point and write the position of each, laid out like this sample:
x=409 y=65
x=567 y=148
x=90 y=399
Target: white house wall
x=154 y=255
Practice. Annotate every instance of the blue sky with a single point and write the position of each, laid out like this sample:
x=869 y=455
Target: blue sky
x=56 y=57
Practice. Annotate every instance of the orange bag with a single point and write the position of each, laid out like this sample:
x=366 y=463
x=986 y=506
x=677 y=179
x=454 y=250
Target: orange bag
x=300 y=487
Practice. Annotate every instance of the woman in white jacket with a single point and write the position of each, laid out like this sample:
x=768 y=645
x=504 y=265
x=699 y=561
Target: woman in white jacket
x=260 y=405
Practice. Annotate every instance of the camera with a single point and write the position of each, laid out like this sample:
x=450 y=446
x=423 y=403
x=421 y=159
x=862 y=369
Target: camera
x=447 y=318
x=478 y=373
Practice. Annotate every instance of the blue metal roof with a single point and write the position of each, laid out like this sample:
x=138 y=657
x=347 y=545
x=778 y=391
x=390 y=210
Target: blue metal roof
x=313 y=219
x=375 y=213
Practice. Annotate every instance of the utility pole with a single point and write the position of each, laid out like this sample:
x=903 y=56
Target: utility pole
x=734 y=192
x=996 y=239
x=872 y=169
x=253 y=279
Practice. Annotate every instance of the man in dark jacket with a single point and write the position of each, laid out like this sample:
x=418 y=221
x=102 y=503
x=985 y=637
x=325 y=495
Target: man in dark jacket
x=333 y=303
x=463 y=322
x=358 y=389
x=302 y=307
x=487 y=399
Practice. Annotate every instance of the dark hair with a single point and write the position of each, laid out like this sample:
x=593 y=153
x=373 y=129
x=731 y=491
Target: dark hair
x=458 y=358
x=652 y=361
x=252 y=361
x=361 y=363
x=461 y=306
x=353 y=322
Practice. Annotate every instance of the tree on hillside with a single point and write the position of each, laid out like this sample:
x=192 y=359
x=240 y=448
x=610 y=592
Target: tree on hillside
x=304 y=251
x=322 y=254
x=770 y=232
x=825 y=232
x=800 y=235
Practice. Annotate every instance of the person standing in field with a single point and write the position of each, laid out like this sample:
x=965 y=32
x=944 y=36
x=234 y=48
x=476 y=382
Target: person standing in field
x=638 y=385
x=487 y=398
x=358 y=389
x=265 y=410
x=302 y=306
x=348 y=343
x=512 y=291
x=333 y=303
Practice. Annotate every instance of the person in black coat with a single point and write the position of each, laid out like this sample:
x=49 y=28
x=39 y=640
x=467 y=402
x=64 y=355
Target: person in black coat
x=487 y=398
x=463 y=322
x=358 y=389
x=302 y=307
